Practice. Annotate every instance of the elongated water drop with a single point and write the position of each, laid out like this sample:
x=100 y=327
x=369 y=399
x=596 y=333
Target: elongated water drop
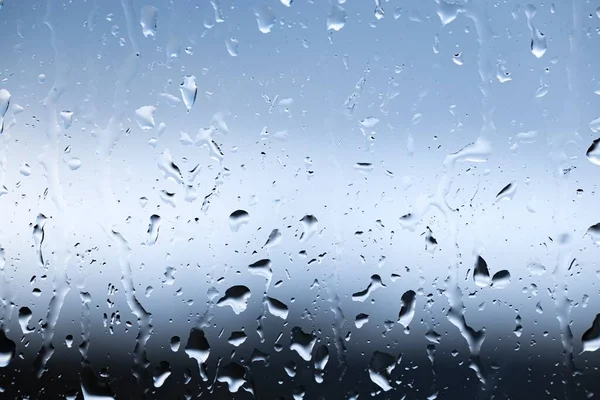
x=149 y=21
x=481 y=274
x=407 y=309
x=189 y=91
x=153 y=229
x=593 y=152
x=302 y=343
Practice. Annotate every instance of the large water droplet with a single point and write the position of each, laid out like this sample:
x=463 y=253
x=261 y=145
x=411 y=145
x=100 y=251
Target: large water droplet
x=593 y=152
x=336 y=18
x=277 y=308
x=375 y=283
x=236 y=297
x=25 y=315
x=234 y=375
x=265 y=18
x=237 y=338
x=481 y=274
x=237 y=219
x=310 y=225
x=380 y=369
x=7 y=349
x=407 y=309
x=197 y=346
x=501 y=279
x=594 y=232
x=144 y=116
x=149 y=20
x=591 y=337
x=302 y=343
x=162 y=372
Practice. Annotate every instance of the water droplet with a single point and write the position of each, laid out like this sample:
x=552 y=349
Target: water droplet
x=538 y=39
x=236 y=297
x=310 y=225
x=321 y=359
x=234 y=375
x=457 y=58
x=407 y=309
x=189 y=91
x=277 y=308
x=593 y=152
x=501 y=279
x=153 y=229
x=25 y=169
x=265 y=18
x=66 y=118
x=273 y=240
x=144 y=117
x=7 y=349
x=507 y=192
x=369 y=122
x=162 y=372
x=363 y=167
x=302 y=343
x=375 y=283
x=4 y=104
x=336 y=18
x=74 y=164
x=69 y=341
x=149 y=20
x=591 y=337
x=360 y=320
x=536 y=268
x=447 y=11
x=380 y=369
x=594 y=232
x=175 y=343
x=237 y=219
x=481 y=274
x=287 y=3
x=25 y=315
x=232 y=46
x=237 y=338
x=197 y=347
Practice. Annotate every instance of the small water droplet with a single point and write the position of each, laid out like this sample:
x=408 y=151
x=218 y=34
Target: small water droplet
x=66 y=118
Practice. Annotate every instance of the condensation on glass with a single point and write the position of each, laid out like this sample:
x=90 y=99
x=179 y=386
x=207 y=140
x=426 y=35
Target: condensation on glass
x=299 y=199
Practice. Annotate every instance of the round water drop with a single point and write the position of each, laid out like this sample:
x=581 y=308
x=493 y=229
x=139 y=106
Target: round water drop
x=237 y=219
x=69 y=341
x=25 y=169
x=74 y=164
x=175 y=343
